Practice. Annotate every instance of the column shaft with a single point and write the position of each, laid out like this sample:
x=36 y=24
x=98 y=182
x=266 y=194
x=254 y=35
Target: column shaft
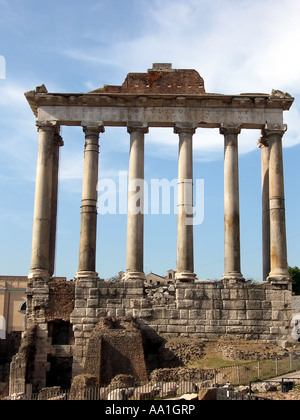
x=231 y=204
x=42 y=205
x=135 y=218
x=279 y=267
x=57 y=143
x=185 y=239
x=264 y=147
x=88 y=229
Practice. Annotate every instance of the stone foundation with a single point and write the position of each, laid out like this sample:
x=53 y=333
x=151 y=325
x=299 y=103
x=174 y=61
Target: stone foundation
x=208 y=310
x=65 y=323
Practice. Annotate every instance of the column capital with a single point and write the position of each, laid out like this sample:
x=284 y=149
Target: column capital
x=230 y=129
x=92 y=128
x=271 y=129
x=262 y=142
x=183 y=127
x=137 y=126
x=47 y=125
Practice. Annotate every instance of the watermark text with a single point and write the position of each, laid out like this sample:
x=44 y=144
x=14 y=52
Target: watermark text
x=157 y=197
x=2 y=67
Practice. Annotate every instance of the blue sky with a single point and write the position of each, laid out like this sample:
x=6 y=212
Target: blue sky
x=73 y=46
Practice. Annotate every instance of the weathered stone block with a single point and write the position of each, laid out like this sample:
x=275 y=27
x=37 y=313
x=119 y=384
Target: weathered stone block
x=254 y=294
x=197 y=314
x=80 y=303
x=204 y=304
x=254 y=314
x=176 y=329
x=184 y=314
x=238 y=294
x=225 y=294
x=93 y=293
x=146 y=313
x=79 y=312
x=188 y=294
x=120 y=312
x=234 y=304
x=101 y=312
x=183 y=304
x=91 y=312
x=92 y=303
x=253 y=304
x=217 y=330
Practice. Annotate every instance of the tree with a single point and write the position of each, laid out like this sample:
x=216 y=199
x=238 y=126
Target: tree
x=295 y=274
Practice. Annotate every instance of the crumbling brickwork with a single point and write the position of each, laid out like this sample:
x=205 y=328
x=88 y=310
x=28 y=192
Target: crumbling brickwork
x=116 y=346
x=61 y=300
x=161 y=79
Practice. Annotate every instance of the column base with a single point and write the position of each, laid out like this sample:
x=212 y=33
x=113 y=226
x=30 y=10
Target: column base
x=86 y=275
x=39 y=274
x=134 y=275
x=277 y=279
x=233 y=278
x=185 y=277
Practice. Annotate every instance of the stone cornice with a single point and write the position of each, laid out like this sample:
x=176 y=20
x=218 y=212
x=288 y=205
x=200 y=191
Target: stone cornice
x=209 y=100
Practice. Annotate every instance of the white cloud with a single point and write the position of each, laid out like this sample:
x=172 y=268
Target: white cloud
x=244 y=46
x=236 y=46
x=12 y=95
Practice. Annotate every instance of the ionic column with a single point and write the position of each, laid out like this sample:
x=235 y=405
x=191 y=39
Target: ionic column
x=42 y=205
x=185 y=240
x=231 y=204
x=135 y=217
x=57 y=143
x=279 y=266
x=264 y=147
x=88 y=229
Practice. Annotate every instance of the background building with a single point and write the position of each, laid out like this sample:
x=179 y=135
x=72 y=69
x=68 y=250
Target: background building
x=12 y=304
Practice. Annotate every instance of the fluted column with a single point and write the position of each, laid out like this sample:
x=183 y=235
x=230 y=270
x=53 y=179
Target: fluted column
x=57 y=143
x=264 y=147
x=135 y=218
x=185 y=240
x=42 y=205
x=231 y=204
x=279 y=266
x=88 y=229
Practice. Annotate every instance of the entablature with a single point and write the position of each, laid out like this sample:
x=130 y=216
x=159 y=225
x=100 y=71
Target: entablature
x=162 y=97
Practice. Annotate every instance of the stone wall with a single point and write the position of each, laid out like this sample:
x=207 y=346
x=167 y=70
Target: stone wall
x=204 y=310
x=48 y=303
x=8 y=348
x=296 y=304
x=116 y=346
x=207 y=310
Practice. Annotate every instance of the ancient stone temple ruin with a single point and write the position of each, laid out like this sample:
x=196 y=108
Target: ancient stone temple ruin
x=86 y=326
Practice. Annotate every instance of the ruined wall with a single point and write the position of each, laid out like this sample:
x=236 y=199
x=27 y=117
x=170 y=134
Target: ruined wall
x=61 y=300
x=49 y=305
x=116 y=346
x=296 y=304
x=207 y=310
x=162 y=79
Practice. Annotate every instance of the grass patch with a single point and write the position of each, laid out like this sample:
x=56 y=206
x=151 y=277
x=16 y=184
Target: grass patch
x=213 y=362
